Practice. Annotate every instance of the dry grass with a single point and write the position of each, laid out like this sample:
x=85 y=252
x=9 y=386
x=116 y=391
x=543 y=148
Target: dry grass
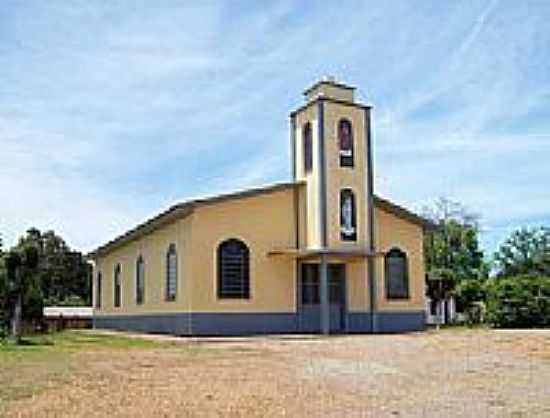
x=467 y=373
x=44 y=362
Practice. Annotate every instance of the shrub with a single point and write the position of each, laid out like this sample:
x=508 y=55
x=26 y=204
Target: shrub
x=519 y=302
x=4 y=311
x=72 y=300
x=475 y=313
x=471 y=295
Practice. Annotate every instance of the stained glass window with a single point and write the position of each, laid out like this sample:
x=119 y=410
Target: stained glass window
x=348 y=224
x=308 y=147
x=345 y=140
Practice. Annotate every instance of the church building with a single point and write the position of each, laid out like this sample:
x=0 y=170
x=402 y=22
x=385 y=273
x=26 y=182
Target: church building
x=319 y=254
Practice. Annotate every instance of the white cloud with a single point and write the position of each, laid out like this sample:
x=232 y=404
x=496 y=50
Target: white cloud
x=109 y=112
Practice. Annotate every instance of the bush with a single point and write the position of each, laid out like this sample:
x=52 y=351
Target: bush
x=475 y=313
x=519 y=302
x=4 y=311
x=471 y=295
x=69 y=301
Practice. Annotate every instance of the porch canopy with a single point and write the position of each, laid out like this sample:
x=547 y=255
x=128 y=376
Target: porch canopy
x=345 y=253
x=323 y=256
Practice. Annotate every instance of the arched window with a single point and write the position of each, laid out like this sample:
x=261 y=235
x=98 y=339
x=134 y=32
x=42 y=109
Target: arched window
x=345 y=141
x=233 y=270
x=171 y=273
x=308 y=147
x=348 y=224
x=397 y=274
x=98 y=291
x=140 y=280
x=117 y=283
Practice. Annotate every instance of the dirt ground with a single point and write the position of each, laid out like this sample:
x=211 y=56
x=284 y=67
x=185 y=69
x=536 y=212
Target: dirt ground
x=447 y=374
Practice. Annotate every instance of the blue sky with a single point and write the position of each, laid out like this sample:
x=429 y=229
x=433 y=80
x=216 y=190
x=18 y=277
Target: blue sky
x=112 y=111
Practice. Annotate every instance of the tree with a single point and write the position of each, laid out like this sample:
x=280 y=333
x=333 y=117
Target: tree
x=519 y=301
x=4 y=311
x=526 y=251
x=40 y=269
x=454 y=261
x=22 y=285
x=65 y=276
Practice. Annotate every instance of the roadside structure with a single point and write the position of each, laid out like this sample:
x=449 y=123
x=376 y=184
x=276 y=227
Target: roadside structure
x=61 y=317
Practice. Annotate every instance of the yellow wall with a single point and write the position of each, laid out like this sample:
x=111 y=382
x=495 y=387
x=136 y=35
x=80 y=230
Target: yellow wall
x=339 y=178
x=152 y=247
x=309 y=114
x=357 y=286
x=392 y=231
x=264 y=222
x=273 y=281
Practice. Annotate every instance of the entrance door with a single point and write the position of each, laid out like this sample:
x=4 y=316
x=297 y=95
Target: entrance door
x=310 y=307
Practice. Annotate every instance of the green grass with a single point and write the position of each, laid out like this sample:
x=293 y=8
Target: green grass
x=70 y=341
x=45 y=360
x=53 y=360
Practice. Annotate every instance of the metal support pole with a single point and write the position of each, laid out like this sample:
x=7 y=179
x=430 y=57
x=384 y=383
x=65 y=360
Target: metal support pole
x=371 y=263
x=324 y=296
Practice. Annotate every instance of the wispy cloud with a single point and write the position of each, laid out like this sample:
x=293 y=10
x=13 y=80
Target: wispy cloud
x=111 y=111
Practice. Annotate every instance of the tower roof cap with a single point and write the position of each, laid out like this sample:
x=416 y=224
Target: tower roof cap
x=328 y=80
x=328 y=87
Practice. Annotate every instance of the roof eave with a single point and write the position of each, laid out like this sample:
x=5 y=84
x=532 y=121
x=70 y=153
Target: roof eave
x=175 y=212
x=182 y=210
x=404 y=213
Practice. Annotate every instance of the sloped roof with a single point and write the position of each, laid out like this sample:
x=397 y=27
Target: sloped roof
x=403 y=213
x=183 y=209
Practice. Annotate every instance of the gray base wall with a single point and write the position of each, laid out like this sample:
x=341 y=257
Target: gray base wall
x=387 y=322
x=202 y=323
x=401 y=321
x=255 y=323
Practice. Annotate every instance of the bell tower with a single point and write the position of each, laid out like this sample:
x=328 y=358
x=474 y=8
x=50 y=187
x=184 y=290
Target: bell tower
x=331 y=152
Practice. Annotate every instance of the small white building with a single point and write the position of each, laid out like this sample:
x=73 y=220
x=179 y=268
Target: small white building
x=62 y=317
x=443 y=312
x=71 y=312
